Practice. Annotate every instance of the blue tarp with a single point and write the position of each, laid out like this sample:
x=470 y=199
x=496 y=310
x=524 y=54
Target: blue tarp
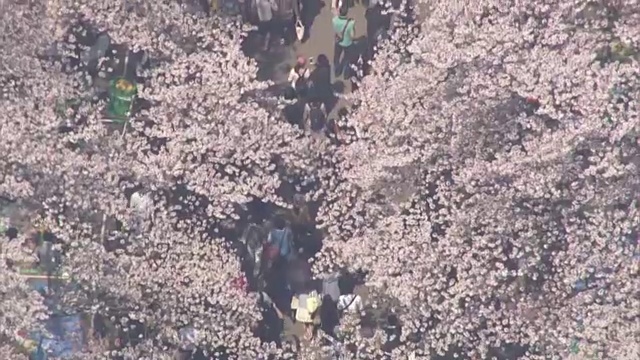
x=63 y=338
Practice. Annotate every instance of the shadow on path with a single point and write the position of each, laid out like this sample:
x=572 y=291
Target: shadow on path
x=273 y=64
x=311 y=9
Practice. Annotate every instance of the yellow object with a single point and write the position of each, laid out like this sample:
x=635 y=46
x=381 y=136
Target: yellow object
x=313 y=303
x=304 y=315
x=124 y=85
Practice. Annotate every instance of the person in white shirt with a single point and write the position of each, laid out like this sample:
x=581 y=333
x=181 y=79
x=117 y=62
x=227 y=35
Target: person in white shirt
x=351 y=303
x=299 y=75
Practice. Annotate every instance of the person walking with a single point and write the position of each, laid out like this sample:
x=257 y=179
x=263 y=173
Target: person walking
x=265 y=10
x=344 y=46
x=281 y=237
x=287 y=15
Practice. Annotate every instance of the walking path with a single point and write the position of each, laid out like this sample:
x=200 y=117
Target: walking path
x=275 y=64
x=321 y=42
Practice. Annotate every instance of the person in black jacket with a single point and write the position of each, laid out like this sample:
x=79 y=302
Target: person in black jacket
x=286 y=15
x=270 y=327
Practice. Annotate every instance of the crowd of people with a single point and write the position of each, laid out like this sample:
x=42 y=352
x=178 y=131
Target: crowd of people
x=276 y=18
x=276 y=257
x=311 y=81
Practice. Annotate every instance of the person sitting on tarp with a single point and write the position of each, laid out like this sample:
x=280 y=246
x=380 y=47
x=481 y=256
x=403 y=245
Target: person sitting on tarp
x=281 y=237
x=306 y=303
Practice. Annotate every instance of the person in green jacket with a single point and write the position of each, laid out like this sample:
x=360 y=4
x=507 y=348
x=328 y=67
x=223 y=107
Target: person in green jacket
x=344 y=47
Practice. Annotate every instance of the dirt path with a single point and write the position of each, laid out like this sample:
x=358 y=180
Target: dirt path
x=275 y=64
x=321 y=41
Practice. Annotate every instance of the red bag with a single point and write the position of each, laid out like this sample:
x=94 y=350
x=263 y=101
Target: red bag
x=271 y=251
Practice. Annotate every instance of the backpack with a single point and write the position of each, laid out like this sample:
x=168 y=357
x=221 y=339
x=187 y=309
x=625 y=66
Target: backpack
x=285 y=9
x=315 y=116
x=271 y=251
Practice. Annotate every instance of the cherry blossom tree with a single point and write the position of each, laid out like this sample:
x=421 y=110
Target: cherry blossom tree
x=168 y=272
x=493 y=172
x=487 y=188
x=164 y=278
x=21 y=307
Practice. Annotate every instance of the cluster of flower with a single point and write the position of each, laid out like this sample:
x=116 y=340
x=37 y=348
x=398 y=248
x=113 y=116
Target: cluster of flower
x=489 y=188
